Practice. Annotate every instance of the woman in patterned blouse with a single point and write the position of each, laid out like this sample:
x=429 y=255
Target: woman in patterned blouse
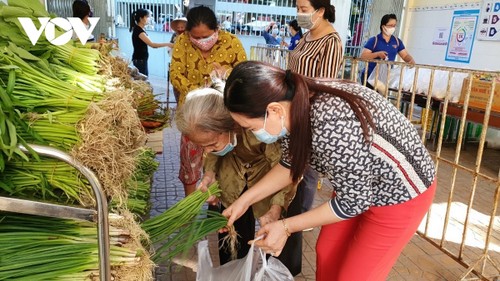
x=382 y=175
x=195 y=55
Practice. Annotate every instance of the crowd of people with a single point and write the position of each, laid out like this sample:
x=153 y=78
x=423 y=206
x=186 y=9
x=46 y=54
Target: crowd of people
x=268 y=135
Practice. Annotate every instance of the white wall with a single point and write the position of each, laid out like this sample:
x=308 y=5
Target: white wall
x=342 y=13
x=421 y=25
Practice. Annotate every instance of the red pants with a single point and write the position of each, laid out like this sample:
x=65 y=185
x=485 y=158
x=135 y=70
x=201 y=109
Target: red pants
x=367 y=246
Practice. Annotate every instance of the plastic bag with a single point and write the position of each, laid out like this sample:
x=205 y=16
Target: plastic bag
x=272 y=270
x=253 y=267
x=381 y=83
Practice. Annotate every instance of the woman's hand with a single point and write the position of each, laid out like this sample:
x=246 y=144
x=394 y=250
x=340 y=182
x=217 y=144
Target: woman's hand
x=235 y=210
x=208 y=179
x=382 y=54
x=271 y=216
x=274 y=240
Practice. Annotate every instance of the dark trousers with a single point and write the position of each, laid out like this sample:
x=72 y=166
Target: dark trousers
x=142 y=66
x=291 y=256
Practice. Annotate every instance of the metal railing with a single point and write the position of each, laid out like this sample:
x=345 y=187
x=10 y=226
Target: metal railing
x=274 y=55
x=61 y=211
x=443 y=103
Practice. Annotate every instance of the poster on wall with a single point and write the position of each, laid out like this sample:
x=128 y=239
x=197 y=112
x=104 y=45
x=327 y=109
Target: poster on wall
x=461 y=40
x=489 y=21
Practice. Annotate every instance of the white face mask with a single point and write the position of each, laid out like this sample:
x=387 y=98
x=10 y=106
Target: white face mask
x=389 y=30
x=305 y=20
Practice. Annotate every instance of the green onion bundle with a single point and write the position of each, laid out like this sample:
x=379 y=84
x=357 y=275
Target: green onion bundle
x=183 y=212
x=39 y=248
x=56 y=129
x=205 y=223
x=91 y=83
x=49 y=179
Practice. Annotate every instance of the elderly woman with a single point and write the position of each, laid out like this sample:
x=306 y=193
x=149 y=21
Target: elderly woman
x=237 y=160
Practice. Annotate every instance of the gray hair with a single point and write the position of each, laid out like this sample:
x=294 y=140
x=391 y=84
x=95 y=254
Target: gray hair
x=204 y=111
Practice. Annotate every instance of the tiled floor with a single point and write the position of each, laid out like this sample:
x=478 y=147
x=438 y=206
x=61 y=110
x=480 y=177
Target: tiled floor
x=420 y=260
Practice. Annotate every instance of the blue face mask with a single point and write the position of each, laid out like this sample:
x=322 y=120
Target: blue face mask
x=229 y=146
x=265 y=137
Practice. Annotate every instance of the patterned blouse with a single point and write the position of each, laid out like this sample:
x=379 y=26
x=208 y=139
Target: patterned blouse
x=317 y=58
x=392 y=168
x=189 y=70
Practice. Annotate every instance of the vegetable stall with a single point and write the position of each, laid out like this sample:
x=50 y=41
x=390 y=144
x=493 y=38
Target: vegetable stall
x=84 y=103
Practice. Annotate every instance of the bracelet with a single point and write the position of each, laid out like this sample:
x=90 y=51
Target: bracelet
x=285 y=227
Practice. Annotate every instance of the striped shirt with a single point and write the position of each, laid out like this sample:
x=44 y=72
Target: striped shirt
x=317 y=58
x=394 y=167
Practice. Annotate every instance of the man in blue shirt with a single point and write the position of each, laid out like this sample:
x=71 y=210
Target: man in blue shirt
x=385 y=45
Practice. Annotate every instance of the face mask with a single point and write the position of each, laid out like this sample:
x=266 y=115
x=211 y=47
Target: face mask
x=265 y=137
x=389 y=30
x=305 y=20
x=275 y=31
x=229 y=146
x=205 y=44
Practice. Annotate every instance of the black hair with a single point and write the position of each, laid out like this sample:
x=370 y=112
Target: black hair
x=329 y=9
x=386 y=18
x=201 y=15
x=295 y=26
x=81 y=9
x=136 y=17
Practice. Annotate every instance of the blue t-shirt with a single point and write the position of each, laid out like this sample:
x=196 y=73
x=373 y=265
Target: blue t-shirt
x=393 y=47
x=294 y=41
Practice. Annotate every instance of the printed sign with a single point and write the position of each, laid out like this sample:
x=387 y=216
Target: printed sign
x=69 y=25
x=461 y=39
x=489 y=23
x=441 y=36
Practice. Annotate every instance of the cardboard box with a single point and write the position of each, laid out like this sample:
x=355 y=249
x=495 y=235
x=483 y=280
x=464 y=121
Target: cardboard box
x=480 y=93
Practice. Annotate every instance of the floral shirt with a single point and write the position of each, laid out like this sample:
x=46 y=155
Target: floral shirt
x=392 y=168
x=189 y=70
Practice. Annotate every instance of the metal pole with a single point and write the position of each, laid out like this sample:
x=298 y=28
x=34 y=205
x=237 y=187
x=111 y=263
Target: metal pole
x=102 y=204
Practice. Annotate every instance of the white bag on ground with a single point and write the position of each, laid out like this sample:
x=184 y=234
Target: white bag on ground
x=253 y=267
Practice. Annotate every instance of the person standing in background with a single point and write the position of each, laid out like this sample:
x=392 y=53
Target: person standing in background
x=271 y=34
x=82 y=10
x=197 y=52
x=141 y=41
x=178 y=25
x=226 y=24
x=318 y=55
x=384 y=46
x=320 y=52
x=296 y=32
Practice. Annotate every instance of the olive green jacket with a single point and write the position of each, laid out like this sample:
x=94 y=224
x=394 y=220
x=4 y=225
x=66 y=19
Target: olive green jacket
x=245 y=165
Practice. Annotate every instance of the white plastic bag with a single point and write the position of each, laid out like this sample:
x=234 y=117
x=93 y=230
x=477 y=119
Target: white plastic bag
x=253 y=267
x=381 y=82
x=272 y=270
